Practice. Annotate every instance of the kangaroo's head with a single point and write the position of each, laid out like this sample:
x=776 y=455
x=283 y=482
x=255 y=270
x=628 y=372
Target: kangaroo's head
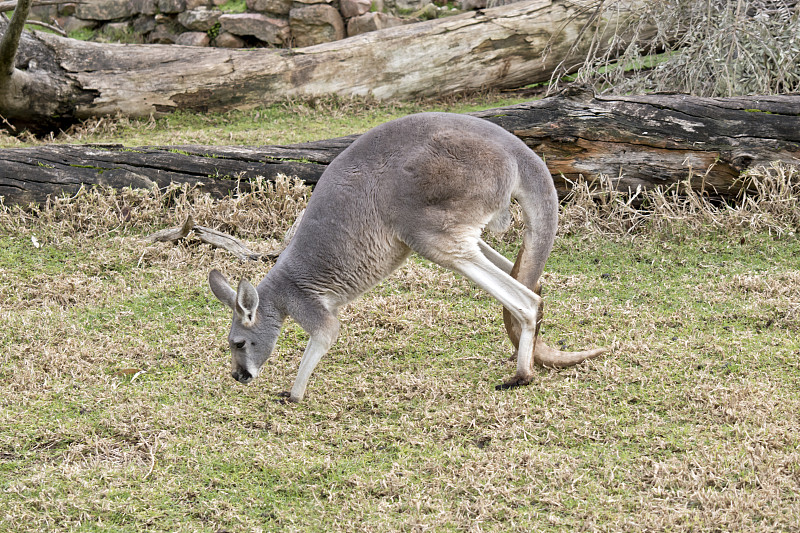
x=255 y=326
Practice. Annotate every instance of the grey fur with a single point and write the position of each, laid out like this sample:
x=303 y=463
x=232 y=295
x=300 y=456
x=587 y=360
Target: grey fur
x=427 y=183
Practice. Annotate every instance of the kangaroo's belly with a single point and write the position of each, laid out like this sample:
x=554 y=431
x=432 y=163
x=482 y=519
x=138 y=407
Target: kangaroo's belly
x=340 y=254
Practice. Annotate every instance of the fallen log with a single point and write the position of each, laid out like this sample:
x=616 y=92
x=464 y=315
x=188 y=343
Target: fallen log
x=54 y=81
x=32 y=174
x=638 y=141
x=656 y=140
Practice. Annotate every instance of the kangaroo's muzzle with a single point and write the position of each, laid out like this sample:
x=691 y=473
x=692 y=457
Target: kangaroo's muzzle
x=242 y=375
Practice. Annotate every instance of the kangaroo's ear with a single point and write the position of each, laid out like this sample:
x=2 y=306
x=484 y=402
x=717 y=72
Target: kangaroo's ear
x=221 y=289
x=247 y=302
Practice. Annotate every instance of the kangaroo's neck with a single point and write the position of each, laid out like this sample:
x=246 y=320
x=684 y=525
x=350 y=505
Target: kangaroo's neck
x=276 y=288
x=292 y=291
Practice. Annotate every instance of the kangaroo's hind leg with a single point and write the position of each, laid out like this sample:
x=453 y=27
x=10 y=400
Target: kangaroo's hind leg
x=522 y=303
x=498 y=259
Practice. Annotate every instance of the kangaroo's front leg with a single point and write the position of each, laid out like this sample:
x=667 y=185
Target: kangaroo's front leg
x=312 y=355
x=318 y=345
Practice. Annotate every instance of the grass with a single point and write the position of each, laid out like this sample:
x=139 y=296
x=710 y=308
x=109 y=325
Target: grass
x=286 y=121
x=118 y=413
x=233 y=6
x=82 y=34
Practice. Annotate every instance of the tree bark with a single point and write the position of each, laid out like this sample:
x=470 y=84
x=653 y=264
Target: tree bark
x=645 y=141
x=503 y=47
x=656 y=140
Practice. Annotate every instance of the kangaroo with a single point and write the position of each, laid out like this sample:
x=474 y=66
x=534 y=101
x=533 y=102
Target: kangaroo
x=427 y=183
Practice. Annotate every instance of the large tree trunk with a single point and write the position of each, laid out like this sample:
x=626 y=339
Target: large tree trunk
x=639 y=141
x=59 y=79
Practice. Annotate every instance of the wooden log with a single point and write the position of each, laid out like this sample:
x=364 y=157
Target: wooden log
x=11 y=5
x=638 y=141
x=656 y=140
x=31 y=174
x=60 y=80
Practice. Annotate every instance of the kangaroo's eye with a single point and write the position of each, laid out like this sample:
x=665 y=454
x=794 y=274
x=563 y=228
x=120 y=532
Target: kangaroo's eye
x=239 y=345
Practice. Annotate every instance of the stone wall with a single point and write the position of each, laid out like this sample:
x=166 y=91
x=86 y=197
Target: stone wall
x=237 y=23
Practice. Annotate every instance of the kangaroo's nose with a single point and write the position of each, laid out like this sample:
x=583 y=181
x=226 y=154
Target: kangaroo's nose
x=242 y=376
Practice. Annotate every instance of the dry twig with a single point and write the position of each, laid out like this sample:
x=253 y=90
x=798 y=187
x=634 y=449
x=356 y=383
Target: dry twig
x=220 y=239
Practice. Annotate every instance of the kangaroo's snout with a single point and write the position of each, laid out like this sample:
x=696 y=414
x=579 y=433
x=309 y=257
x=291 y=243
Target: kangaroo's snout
x=242 y=375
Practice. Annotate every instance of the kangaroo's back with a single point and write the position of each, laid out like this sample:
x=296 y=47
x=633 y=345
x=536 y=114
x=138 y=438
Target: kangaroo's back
x=397 y=188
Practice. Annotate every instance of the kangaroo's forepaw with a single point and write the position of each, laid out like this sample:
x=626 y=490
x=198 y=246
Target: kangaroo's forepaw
x=286 y=397
x=513 y=383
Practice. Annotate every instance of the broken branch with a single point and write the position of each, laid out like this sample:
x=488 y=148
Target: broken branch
x=11 y=6
x=219 y=239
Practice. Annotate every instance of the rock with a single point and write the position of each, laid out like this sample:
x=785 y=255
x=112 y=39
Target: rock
x=228 y=40
x=104 y=10
x=200 y=19
x=408 y=5
x=194 y=4
x=193 y=38
x=144 y=7
x=144 y=24
x=428 y=12
x=354 y=8
x=67 y=10
x=316 y=24
x=70 y=24
x=116 y=27
x=371 y=22
x=171 y=6
x=44 y=13
x=162 y=34
x=275 y=7
x=267 y=29
x=498 y=3
x=470 y=5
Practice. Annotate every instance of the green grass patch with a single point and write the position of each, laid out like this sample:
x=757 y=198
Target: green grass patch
x=283 y=122
x=83 y=34
x=233 y=6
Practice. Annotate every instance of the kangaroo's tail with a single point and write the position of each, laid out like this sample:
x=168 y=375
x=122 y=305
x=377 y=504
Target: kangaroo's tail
x=539 y=202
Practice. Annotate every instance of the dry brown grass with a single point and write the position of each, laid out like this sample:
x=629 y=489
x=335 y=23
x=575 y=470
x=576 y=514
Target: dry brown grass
x=705 y=48
x=117 y=411
x=769 y=201
x=266 y=211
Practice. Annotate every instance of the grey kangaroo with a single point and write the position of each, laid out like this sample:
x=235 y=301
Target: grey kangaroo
x=428 y=183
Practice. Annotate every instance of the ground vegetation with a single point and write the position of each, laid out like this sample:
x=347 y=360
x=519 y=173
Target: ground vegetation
x=118 y=411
